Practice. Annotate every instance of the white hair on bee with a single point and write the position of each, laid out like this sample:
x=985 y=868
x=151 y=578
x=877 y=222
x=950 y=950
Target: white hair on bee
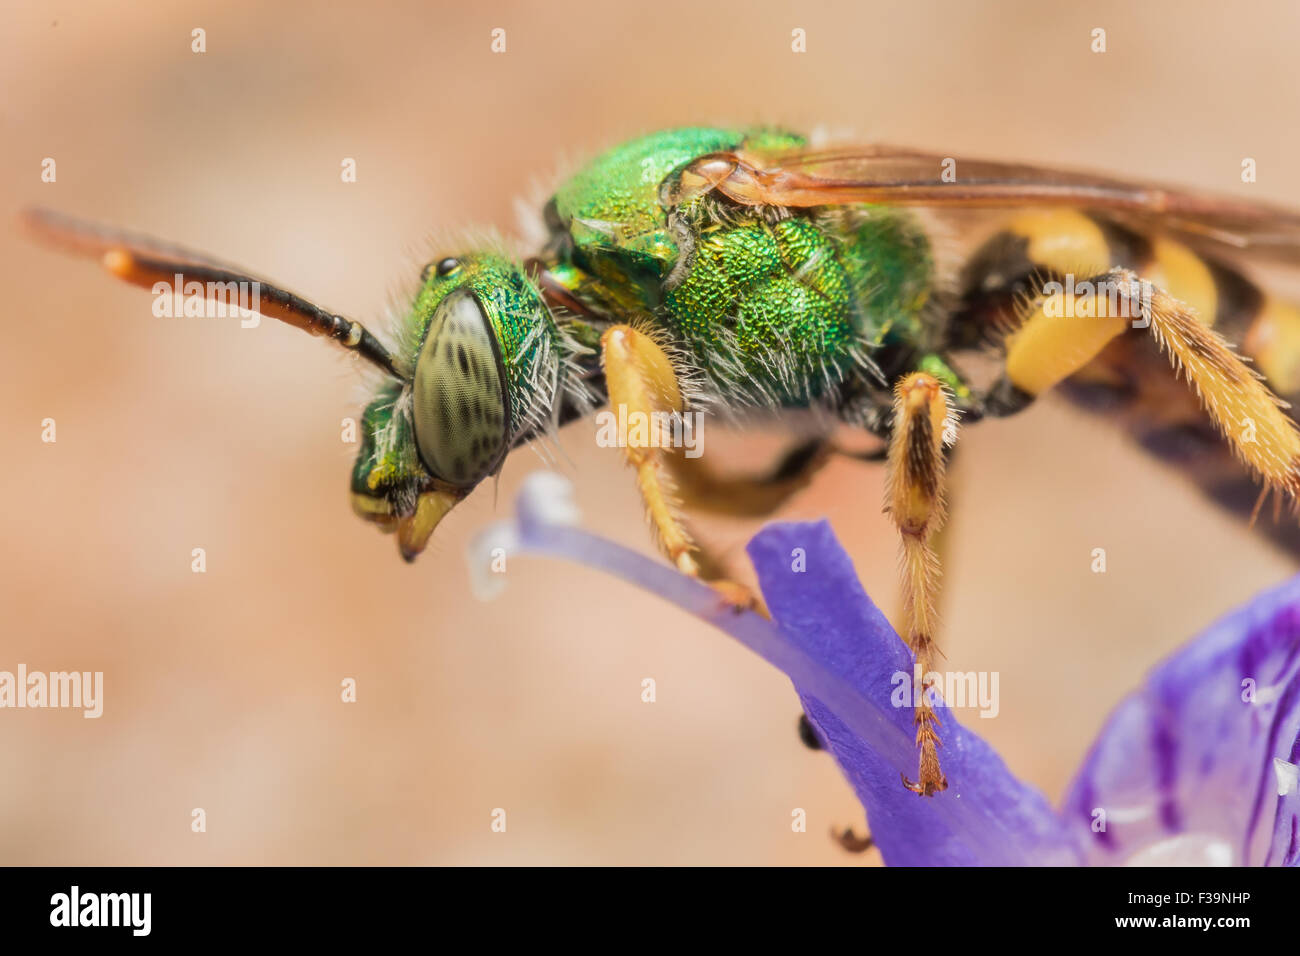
x=950 y=240
x=554 y=375
x=823 y=136
x=729 y=385
x=529 y=207
x=716 y=376
x=530 y=222
x=692 y=381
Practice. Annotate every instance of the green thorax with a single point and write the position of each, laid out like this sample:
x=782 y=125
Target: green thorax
x=778 y=305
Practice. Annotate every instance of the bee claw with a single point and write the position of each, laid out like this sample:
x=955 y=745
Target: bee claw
x=739 y=598
x=851 y=842
x=926 y=788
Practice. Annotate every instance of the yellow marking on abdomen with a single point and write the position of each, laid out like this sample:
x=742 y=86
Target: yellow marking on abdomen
x=1063 y=241
x=1184 y=275
x=1273 y=341
x=1050 y=348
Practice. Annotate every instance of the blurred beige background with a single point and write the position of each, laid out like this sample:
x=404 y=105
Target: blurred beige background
x=223 y=688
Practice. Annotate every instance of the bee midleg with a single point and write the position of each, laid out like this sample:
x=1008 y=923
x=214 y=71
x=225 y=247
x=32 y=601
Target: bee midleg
x=701 y=488
x=914 y=500
x=644 y=392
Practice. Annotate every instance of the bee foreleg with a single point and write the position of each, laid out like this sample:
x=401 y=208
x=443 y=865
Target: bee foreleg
x=914 y=500
x=643 y=395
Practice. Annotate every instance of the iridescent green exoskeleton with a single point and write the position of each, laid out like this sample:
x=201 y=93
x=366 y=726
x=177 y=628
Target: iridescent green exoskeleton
x=755 y=306
x=759 y=307
x=731 y=272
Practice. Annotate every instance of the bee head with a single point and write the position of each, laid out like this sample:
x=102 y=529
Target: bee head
x=477 y=367
x=475 y=336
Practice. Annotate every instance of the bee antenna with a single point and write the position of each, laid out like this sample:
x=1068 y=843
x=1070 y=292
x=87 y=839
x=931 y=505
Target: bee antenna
x=147 y=262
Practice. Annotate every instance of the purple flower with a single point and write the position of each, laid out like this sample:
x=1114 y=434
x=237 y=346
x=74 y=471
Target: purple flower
x=1198 y=765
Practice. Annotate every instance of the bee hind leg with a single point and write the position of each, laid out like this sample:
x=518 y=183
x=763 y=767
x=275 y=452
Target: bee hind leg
x=1059 y=334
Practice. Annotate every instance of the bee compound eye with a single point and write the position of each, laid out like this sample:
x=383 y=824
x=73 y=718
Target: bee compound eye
x=459 y=403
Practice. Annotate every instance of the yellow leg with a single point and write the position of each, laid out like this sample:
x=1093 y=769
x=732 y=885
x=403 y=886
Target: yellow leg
x=915 y=502
x=1061 y=334
x=748 y=496
x=940 y=545
x=642 y=388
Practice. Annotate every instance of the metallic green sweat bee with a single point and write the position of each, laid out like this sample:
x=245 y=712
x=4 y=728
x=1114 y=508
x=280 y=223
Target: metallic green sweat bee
x=740 y=272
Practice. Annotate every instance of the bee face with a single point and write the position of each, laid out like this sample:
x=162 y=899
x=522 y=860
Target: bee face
x=431 y=437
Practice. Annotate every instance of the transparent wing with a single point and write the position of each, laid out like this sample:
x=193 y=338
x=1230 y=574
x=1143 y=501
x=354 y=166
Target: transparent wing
x=890 y=175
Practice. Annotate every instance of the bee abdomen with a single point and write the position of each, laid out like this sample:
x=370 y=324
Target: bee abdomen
x=1130 y=379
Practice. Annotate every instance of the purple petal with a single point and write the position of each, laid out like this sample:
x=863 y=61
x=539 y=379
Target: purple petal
x=840 y=653
x=986 y=816
x=1284 y=850
x=1184 y=769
